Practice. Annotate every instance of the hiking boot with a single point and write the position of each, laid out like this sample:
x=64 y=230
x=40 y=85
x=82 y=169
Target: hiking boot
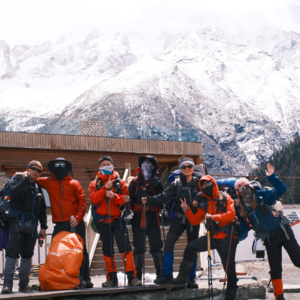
x=89 y=284
x=280 y=297
x=109 y=283
x=163 y=280
x=135 y=282
x=184 y=270
x=192 y=285
x=25 y=289
x=7 y=289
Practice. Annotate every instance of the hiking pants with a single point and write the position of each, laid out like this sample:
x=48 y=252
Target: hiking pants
x=154 y=236
x=117 y=232
x=175 y=231
x=274 y=250
x=23 y=246
x=80 y=230
x=222 y=246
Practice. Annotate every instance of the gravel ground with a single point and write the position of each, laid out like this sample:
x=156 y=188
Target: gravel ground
x=291 y=275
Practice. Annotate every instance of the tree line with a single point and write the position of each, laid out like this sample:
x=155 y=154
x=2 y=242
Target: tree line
x=287 y=164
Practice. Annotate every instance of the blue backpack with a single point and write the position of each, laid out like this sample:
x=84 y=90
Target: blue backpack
x=4 y=205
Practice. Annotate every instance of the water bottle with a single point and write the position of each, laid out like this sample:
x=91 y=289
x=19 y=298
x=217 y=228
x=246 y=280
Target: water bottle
x=41 y=240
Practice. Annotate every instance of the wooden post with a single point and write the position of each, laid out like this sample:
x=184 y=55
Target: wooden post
x=128 y=166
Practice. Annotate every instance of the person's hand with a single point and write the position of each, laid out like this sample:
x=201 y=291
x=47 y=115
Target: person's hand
x=236 y=220
x=126 y=199
x=270 y=170
x=195 y=203
x=184 y=206
x=109 y=183
x=110 y=194
x=73 y=221
x=25 y=174
x=43 y=233
x=221 y=195
x=144 y=200
x=208 y=216
x=236 y=202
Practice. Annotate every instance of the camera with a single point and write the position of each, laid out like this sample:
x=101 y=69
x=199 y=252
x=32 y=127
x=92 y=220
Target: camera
x=20 y=176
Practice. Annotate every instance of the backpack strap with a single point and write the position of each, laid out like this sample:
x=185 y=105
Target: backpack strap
x=99 y=184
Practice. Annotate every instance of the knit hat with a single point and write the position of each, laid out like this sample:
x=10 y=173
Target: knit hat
x=104 y=157
x=35 y=164
x=241 y=181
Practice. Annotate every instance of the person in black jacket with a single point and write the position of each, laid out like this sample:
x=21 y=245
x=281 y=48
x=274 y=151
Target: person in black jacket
x=27 y=207
x=186 y=186
x=146 y=183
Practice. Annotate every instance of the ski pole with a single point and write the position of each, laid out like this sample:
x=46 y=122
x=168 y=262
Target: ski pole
x=111 y=240
x=231 y=234
x=210 y=283
x=126 y=234
x=144 y=235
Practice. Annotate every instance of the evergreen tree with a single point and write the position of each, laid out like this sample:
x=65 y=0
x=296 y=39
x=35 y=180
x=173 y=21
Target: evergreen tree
x=294 y=194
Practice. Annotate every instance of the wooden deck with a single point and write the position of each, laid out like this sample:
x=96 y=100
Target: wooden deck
x=90 y=292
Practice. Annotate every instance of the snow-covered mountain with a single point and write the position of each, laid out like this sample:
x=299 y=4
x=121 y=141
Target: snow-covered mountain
x=241 y=93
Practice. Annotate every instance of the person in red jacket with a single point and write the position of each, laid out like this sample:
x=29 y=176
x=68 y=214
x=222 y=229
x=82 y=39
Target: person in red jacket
x=218 y=211
x=108 y=188
x=68 y=206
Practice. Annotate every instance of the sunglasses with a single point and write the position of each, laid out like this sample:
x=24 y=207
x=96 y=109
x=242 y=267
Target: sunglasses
x=187 y=166
x=206 y=183
x=35 y=169
x=56 y=165
x=244 y=189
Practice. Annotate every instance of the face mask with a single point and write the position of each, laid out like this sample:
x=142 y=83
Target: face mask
x=147 y=169
x=107 y=170
x=208 y=190
x=60 y=172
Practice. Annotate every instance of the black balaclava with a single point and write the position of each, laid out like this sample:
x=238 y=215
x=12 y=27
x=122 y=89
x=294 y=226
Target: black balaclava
x=60 y=173
x=208 y=190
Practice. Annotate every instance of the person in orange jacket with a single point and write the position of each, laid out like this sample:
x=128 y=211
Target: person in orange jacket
x=108 y=187
x=68 y=206
x=218 y=210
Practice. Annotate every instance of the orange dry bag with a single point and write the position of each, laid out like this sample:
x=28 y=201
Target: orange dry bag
x=64 y=259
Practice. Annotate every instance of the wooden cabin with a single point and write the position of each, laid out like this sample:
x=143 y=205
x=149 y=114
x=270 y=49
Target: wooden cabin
x=17 y=149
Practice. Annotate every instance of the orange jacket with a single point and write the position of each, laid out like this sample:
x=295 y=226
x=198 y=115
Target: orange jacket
x=98 y=197
x=66 y=196
x=224 y=218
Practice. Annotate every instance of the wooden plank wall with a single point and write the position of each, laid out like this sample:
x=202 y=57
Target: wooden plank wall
x=88 y=143
x=85 y=163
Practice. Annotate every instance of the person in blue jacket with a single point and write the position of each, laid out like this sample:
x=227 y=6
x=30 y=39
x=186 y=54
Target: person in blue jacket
x=243 y=224
x=269 y=224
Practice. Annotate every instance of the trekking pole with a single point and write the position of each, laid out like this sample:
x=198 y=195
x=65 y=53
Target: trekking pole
x=144 y=235
x=163 y=226
x=111 y=240
x=225 y=279
x=126 y=234
x=210 y=282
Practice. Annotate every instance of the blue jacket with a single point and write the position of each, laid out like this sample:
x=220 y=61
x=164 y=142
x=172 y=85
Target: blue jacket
x=267 y=225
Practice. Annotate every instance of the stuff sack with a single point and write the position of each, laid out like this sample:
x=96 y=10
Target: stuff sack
x=63 y=262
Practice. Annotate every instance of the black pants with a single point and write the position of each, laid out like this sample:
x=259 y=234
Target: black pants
x=274 y=250
x=117 y=232
x=154 y=236
x=23 y=246
x=80 y=230
x=222 y=246
x=176 y=230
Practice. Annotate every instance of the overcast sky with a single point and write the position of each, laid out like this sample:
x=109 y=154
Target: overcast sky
x=35 y=21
